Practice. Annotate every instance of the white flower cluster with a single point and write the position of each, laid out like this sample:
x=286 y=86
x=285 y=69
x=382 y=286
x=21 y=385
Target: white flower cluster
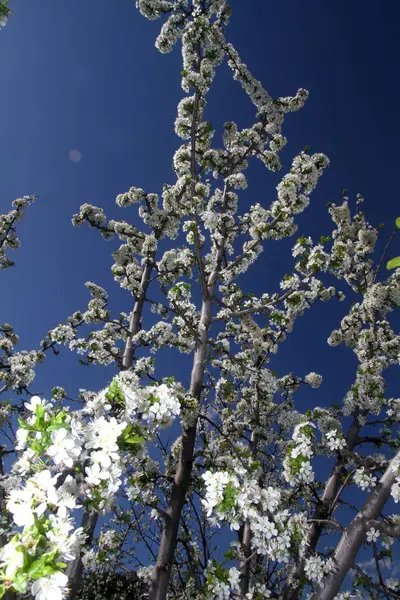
x=103 y=475
x=132 y=197
x=42 y=507
x=8 y=235
x=349 y=595
x=335 y=440
x=62 y=334
x=235 y=502
x=22 y=365
x=259 y=591
x=221 y=583
x=156 y=406
x=353 y=241
x=215 y=483
x=293 y=197
x=17 y=369
x=175 y=263
x=364 y=480
x=94 y=450
x=313 y=379
x=297 y=463
x=316 y=568
x=395 y=492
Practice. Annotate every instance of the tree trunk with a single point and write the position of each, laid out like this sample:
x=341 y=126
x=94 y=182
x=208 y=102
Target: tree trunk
x=322 y=511
x=166 y=551
x=355 y=534
x=75 y=567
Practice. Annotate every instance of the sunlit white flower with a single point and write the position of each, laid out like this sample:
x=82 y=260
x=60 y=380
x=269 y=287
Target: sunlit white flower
x=372 y=534
x=11 y=558
x=50 y=588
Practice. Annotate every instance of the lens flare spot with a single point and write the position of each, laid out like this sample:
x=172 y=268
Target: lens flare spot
x=75 y=155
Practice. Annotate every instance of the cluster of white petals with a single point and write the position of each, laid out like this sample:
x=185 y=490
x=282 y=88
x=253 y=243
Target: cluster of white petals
x=66 y=457
x=297 y=466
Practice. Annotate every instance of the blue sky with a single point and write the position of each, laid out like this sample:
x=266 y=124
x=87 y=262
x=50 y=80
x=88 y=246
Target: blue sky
x=84 y=75
x=80 y=76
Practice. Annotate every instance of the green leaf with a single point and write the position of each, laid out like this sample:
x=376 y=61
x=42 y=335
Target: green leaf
x=38 y=568
x=230 y=554
x=61 y=416
x=229 y=498
x=115 y=394
x=2 y=590
x=130 y=436
x=134 y=439
x=20 y=581
x=39 y=413
x=43 y=571
x=57 y=426
x=324 y=239
x=24 y=425
x=398 y=222
x=4 y=11
x=394 y=263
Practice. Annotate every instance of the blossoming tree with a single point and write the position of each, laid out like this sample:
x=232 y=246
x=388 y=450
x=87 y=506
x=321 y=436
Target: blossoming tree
x=227 y=502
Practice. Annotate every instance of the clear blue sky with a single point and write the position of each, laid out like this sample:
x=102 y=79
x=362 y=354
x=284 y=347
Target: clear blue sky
x=84 y=75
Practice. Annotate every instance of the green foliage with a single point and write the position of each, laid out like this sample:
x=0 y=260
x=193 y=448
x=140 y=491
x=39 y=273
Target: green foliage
x=229 y=498
x=20 y=582
x=115 y=395
x=130 y=438
x=39 y=443
x=361 y=580
x=230 y=554
x=220 y=573
x=44 y=566
x=4 y=10
x=393 y=263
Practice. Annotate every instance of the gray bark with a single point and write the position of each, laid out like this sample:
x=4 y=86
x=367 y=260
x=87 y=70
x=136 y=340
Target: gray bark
x=246 y=563
x=162 y=571
x=75 y=567
x=355 y=534
x=181 y=482
x=322 y=511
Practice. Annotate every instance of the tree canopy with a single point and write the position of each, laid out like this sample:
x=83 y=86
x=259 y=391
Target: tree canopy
x=211 y=482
